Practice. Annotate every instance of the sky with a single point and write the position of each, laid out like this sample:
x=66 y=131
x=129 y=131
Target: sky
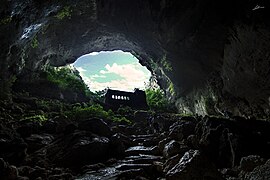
x=114 y=69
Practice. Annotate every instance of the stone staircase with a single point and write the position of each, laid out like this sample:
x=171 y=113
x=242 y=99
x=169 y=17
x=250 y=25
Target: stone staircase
x=142 y=161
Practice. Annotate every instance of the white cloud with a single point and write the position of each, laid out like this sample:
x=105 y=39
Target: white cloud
x=80 y=69
x=102 y=72
x=97 y=53
x=130 y=72
x=98 y=76
x=132 y=76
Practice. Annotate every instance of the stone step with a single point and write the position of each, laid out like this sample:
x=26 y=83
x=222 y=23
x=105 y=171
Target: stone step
x=123 y=167
x=143 y=136
x=144 y=156
x=137 y=150
x=141 y=160
x=147 y=141
x=116 y=172
x=129 y=174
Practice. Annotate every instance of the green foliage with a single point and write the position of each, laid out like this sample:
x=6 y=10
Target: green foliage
x=34 y=42
x=125 y=110
x=65 y=78
x=5 y=20
x=156 y=99
x=171 y=88
x=153 y=64
x=120 y=120
x=50 y=105
x=165 y=63
x=65 y=12
x=98 y=95
x=36 y=118
x=95 y=110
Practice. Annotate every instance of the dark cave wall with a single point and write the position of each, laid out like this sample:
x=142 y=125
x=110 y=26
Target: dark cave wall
x=208 y=56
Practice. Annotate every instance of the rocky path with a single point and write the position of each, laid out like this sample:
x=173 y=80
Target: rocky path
x=141 y=161
x=91 y=149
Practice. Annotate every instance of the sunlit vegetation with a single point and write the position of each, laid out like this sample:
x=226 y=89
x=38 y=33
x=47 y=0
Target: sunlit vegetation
x=34 y=42
x=65 y=78
x=165 y=63
x=157 y=101
x=35 y=118
x=95 y=110
x=64 y=13
x=5 y=20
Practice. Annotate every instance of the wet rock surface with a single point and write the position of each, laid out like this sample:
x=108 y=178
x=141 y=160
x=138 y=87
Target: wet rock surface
x=95 y=148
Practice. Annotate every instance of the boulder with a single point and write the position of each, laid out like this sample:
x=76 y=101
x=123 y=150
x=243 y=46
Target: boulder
x=37 y=141
x=96 y=126
x=7 y=172
x=181 y=130
x=171 y=162
x=259 y=173
x=162 y=143
x=219 y=142
x=27 y=128
x=226 y=141
x=250 y=162
x=117 y=145
x=78 y=149
x=173 y=147
x=12 y=146
x=193 y=166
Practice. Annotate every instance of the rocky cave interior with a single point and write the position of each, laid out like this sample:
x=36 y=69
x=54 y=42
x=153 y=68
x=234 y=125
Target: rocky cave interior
x=211 y=59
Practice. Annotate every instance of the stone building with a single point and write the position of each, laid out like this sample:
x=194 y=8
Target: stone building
x=116 y=98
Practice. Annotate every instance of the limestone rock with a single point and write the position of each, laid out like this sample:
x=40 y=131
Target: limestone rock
x=193 y=166
x=260 y=172
x=7 y=172
x=173 y=147
x=171 y=162
x=96 y=126
x=36 y=141
x=250 y=162
x=181 y=130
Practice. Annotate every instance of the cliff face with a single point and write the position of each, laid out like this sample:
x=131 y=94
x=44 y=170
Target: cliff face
x=208 y=56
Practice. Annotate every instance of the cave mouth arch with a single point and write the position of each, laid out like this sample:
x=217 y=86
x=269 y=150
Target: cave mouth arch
x=115 y=69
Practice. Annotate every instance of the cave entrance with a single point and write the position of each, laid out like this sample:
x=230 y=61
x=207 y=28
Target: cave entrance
x=116 y=70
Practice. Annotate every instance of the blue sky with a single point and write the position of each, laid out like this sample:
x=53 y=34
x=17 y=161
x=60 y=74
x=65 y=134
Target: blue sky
x=114 y=69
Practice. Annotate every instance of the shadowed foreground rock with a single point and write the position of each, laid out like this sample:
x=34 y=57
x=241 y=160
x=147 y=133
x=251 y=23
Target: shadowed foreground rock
x=193 y=166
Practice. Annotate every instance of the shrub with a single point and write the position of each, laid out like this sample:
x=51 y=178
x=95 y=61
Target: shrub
x=95 y=110
x=124 y=110
x=65 y=78
x=157 y=101
x=36 y=118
